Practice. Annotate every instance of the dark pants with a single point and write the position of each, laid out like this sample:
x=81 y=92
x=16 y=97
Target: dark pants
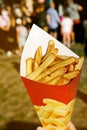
x=85 y=48
x=79 y=32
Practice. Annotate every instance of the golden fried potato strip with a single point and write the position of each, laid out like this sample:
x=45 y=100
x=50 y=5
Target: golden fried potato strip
x=51 y=46
x=29 y=66
x=80 y=63
x=37 y=58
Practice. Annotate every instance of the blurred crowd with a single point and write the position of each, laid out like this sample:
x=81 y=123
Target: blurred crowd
x=62 y=20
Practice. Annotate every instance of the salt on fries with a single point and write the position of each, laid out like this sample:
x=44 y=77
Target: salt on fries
x=54 y=115
x=52 y=68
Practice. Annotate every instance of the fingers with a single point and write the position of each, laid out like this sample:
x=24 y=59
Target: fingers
x=40 y=128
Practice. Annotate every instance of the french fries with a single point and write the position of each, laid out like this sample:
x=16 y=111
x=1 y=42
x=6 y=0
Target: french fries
x=63 y=81
x=52 y=68
x=54 y=115
x=53 y=75
x=42 y=67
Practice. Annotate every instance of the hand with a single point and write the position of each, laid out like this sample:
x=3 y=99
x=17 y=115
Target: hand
x=40 y=128
x=69 y=127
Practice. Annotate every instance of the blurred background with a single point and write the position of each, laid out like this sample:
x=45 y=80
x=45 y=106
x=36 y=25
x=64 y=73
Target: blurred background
x=16 y=19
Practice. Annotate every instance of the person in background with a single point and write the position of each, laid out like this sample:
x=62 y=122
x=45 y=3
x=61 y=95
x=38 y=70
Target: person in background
x=27 y=10
x=5 y=22
x=21 y=35
x=85 y=36
x=29 y=6
x=40 y=17
x=66 y=29
x=52 y=20
x=73 y=9
x=41 y=1
x=16 y=13
x=47 y=3
x=60 y=11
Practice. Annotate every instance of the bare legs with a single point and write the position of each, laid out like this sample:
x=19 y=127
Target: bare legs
x=66 y=39
x=54 y=34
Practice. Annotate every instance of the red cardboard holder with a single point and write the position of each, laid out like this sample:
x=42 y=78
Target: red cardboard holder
x=39 y=91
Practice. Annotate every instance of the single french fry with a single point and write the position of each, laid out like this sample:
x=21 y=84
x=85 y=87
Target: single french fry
x=80 y=63
x=62 y=57
x=59 y=112
x=42 y=67
x=71 y=75
x=58 y=72
x=54 y=51
x=29 y=66
x=71 y=67
x=35 y=65
x=54 y=62
x=63 y=63
x=63 y=81
x=38 y=55
x=37 y=58
x=51 y=46
x=54 y=74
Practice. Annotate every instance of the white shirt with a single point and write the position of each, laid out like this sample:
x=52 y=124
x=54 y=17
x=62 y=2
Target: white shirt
x=4 y=21
x=67 y=24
